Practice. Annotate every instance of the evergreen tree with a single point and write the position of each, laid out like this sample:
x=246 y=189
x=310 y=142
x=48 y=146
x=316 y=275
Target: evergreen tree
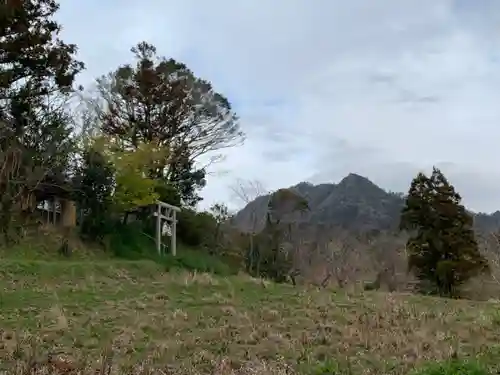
x=442 y=247
x=37 y=71
x=33 y=60
x=94 y=184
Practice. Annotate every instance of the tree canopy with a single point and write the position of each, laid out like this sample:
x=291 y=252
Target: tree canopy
x=34 y=61
x=442 y=247
x=37 y=71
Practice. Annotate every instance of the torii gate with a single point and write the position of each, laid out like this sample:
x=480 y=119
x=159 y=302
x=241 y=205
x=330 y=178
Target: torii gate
x=167 y=212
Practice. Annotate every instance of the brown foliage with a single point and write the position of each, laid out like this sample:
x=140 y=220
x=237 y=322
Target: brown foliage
x=162 y=100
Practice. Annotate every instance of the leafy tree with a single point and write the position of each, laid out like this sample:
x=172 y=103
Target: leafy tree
x=163 y=101
x=285 y=202
x=192 y=227
x=94 y=184
x=442 y=247
x=270 y=258
x=203 y=229
x=220 y=213
x=186 y=179
x=246 y=192
x=134 y=187
x=44 y=134
x=36 y=73
x=33 y=60
x=35 y=148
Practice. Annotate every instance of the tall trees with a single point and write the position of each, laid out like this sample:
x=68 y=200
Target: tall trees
x=163 y=101
x=36 y=74
x=271 y=258
x=442 y=247
x=158 y=118
x=94 y=185
x=246 y=192
x=32 y=59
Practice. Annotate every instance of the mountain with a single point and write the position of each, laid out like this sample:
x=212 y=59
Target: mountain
x=355 y=204
x=487 y=222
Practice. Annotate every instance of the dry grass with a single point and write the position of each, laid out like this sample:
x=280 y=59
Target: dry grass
x=108 y=317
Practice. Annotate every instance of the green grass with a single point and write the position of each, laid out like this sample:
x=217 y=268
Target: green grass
x=453 y=367
x=132 y=244
x=126 y=244
x=200 y=323
x=43 y=244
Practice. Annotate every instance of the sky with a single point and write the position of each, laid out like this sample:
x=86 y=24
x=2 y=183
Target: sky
x=384 y=89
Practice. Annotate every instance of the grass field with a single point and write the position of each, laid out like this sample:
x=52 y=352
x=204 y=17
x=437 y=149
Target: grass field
x=182 y=323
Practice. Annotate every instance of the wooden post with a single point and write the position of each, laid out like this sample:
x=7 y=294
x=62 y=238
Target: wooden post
x=158 y=228
x=173 y=237
x=171 y=218
x=54 y=200
x=68 y=213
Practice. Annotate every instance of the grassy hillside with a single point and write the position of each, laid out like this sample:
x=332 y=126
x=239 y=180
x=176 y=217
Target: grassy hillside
x=197 y=323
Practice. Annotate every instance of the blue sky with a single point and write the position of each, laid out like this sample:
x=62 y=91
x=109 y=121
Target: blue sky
x=383 y=89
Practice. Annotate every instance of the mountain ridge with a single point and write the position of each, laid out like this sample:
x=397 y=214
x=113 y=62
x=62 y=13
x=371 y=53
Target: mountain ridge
x=355 y=203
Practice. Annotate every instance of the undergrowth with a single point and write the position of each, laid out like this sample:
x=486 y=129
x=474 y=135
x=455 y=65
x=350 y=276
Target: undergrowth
x=127 y=243
x=132 y=243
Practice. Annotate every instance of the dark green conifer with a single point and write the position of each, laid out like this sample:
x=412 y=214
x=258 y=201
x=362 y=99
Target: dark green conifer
x=442 y=248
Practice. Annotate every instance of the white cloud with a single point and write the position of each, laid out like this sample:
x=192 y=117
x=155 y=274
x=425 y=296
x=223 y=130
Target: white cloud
x=326 y=88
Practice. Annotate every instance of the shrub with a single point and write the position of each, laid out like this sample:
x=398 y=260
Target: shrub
x=128 y=241
x=196 y=228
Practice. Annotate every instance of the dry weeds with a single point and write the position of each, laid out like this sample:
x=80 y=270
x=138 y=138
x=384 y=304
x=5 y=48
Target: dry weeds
x=110 y=318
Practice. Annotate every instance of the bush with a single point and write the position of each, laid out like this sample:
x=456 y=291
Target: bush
x=128 y=241
x=196 y=228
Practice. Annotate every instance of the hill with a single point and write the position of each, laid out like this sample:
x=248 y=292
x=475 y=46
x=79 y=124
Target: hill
x=139 y=317
x=355 y=204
